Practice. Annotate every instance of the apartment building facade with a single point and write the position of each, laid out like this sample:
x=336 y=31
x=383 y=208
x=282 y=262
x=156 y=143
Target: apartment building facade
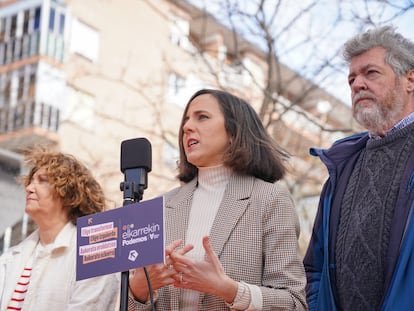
x=85 y=75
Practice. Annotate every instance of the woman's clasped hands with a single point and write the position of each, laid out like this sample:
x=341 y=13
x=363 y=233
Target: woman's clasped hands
x=205 y=275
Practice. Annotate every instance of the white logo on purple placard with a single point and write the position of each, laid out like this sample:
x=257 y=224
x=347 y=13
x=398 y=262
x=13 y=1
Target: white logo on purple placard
x=133 y=255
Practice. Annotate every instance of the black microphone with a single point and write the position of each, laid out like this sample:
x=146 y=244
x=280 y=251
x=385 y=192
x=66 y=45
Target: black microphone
x=136 y=162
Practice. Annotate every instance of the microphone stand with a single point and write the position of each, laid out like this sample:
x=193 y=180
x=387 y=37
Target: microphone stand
x=135 y=164
x=133 y=192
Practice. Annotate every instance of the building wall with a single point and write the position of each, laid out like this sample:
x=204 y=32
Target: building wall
x=127 y=70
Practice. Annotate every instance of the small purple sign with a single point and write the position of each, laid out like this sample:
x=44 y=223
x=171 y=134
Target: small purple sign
x=121 y=239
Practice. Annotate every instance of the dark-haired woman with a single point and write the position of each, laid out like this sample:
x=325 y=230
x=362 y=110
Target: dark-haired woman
x=231 y=228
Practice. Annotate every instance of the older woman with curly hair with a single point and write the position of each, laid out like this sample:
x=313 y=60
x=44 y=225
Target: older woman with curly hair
x=39 y=273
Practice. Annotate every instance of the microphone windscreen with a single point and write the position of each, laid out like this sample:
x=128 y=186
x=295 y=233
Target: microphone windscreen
x=136 y=153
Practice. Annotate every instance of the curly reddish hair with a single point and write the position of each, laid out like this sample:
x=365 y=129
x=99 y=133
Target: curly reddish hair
x=71 y=181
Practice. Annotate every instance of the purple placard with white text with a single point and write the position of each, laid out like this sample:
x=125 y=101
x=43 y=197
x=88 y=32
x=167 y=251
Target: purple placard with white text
x=121 y=239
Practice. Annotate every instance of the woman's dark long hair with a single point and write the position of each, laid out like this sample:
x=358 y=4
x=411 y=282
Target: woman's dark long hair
x=252 y=151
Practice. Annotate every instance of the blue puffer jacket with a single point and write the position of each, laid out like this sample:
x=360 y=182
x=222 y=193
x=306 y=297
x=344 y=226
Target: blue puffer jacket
x=319 y=260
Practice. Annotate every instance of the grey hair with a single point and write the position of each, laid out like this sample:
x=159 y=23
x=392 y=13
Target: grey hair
x=399 y=50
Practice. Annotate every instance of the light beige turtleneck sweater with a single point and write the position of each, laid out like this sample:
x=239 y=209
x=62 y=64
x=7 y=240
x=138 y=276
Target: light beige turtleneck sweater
x=212 y=182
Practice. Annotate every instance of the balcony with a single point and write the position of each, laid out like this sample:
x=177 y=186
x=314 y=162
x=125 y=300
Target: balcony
x=20 y=48
x=28 y=45
x=27 y=124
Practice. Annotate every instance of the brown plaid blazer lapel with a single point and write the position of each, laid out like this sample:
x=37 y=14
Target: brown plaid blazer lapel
x=232 y=207
x=177 y=210
x=178 y=205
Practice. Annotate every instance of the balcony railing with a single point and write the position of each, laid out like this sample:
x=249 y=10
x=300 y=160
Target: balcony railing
x=28 y=45
x=19 y=48
x=27 y=115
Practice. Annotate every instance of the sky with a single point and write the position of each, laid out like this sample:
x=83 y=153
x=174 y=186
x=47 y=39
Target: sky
x=317 y=24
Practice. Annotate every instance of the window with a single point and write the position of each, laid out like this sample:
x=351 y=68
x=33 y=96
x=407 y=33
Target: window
x=32 y=86
x=84 y=41
x=52 y=19
x=13 y=28
x=16 y=85
x=26 y=20
x=4 y=90
x=57 y=19
x=80 y=109
x=20 y=87
x=36 y=24
x=56 y=28
x=170 y=155
x=26 y=83
x=179 y=89
x=2 y=29
x=175 y=88
x=12 y=196
x=179 y=31
x=50 y=85
x=175 y=84
x=62 y=24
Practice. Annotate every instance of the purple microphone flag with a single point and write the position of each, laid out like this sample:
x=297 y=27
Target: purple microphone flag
x=121 y=239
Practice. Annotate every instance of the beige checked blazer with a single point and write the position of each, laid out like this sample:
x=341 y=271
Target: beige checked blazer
x=254 y=235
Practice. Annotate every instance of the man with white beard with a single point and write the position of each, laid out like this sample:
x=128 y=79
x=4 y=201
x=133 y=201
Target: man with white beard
x=361 y=254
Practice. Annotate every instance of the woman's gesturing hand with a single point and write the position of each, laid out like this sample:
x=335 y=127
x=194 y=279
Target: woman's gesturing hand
x=160 y=275
x=206 y=275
